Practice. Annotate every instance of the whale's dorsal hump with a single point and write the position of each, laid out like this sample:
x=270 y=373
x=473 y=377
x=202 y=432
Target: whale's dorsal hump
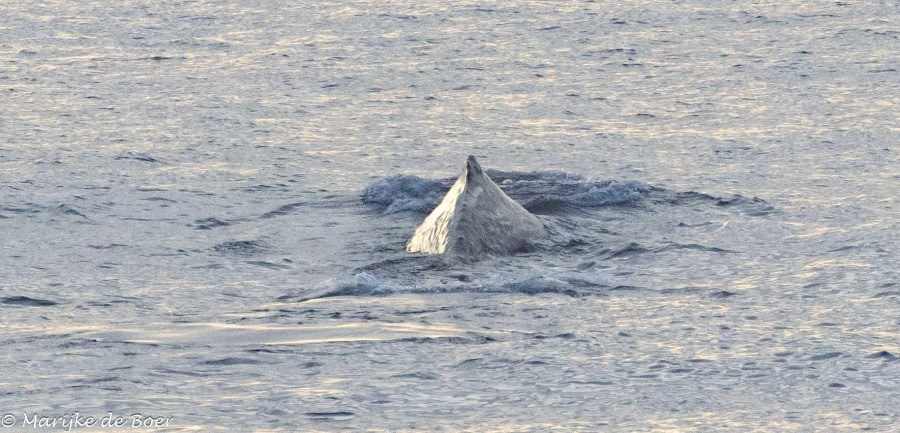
x=475 y=219
x=473 y=168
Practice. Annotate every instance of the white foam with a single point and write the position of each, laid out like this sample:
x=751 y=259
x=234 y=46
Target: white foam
x=405 y=193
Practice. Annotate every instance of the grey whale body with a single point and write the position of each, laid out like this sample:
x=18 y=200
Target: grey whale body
x=476 y=219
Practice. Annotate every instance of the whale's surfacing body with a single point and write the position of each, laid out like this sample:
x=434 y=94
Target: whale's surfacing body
x=476 y=219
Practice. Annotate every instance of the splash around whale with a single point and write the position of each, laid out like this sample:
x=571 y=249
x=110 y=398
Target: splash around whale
x=476 y=219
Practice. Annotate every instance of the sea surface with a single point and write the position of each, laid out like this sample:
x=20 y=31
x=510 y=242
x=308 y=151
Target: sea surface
x=204 y=207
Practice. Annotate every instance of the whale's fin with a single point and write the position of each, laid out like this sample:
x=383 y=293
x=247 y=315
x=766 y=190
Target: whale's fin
x=475 y=219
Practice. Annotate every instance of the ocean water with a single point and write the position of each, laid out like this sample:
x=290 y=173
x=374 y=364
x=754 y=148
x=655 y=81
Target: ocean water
x=204 y=207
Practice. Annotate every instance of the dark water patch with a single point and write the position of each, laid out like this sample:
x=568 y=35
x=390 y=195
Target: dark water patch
x=626 y=288
x=68 y=210
x=631 y=249
x=401 y=17
x=549 y=206
x=696 y=247
x=417 y=312
x=240 y=248
x=266 y=188
x=824 y=356
x=191 y=191
x=591 y=382
x=722 y=294
x=884 y=354
x=752 y=206
x=198 y=17
x=563 y=336
x=231 y=361
x=462 y=278
x=106 y=246
x=92 y=304
x=268 y=265
x=176 y=253
x=136 y=156
x=477 y=339
x=101 y=380
x=160 y=58
x=416 y=375
x=416 y=263
x=836 y=385
x=208 y=223
x=469 y=362
x=336 y=416
x=30 y=208
x=150 y=189
x=160 y=199
x=886 y=294
x=606 y=52
x=283 y=210
x=25 y=301
x=182 y=372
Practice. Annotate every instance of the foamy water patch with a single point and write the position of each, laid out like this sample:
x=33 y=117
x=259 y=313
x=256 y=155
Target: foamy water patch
x=416 y=194
x=364 y=284
x=405 y=193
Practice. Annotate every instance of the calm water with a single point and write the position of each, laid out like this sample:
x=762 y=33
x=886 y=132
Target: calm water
x=204 y=205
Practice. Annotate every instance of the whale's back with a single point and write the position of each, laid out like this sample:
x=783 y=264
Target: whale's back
x=475 y=219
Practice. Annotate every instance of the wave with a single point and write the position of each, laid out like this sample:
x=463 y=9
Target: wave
x=538 y=191
x=573 y=284
x=551 y=193
x=406 y=193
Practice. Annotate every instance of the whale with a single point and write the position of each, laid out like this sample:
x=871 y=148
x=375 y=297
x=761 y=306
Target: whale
x=476 y=220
